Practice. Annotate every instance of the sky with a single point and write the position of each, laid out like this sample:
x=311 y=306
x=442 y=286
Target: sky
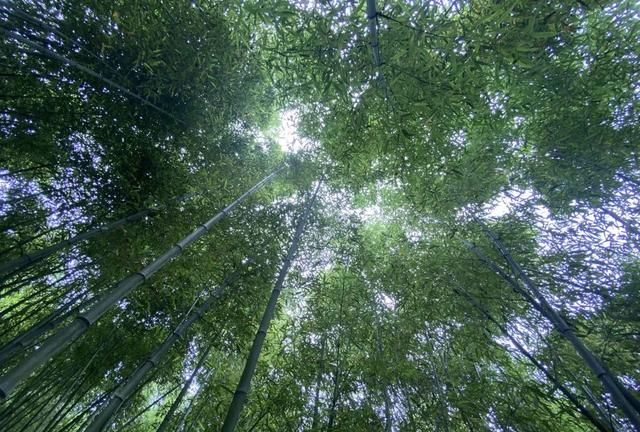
x=286 y=133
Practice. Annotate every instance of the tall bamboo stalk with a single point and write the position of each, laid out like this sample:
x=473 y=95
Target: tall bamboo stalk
x=176 y=403
x=372 y=19
x=65 y=60
x=31 y=19
x=183 y=418
x=67 y=406
x=563 y=389
x=372 y=16
x=388 y=404
x=130 y=385
x=57 y=342
x=242 y=390
x=63 y=399
x=151 y=405
x=620 y=395
x=316 y=398
x=337 y=370
x=49 y=322
x=28 y=260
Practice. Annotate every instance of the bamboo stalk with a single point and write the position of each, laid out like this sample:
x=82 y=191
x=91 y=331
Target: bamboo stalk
x=129 y=386
x=57 y=342
x=563 y=389
x=53 y=55
x=242 y=390
x=620 y=395
x=47 y=323
x=151 y=405
x=28 y=260
x=176 y=403
x=372 y=15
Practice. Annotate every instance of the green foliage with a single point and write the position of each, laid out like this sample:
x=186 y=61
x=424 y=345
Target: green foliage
x=398 y=311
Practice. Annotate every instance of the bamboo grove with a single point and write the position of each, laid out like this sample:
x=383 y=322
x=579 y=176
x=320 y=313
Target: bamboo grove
x=319 y=216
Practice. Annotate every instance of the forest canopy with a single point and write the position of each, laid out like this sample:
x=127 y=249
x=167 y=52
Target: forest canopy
x=323 y=216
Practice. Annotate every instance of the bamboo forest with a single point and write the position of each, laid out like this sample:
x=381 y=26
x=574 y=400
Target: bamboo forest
x=319 y=215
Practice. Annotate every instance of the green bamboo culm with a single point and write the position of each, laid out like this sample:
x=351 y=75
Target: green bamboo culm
x=24 y=340
x=374 y=41
x=621 y=396
x=142 y=412
x=57 y=342
x=242 y=390
x=166 y=420
x=130 y=385
x=67 y=61
x=27 y=260
x=595 y=421
x=372 y=15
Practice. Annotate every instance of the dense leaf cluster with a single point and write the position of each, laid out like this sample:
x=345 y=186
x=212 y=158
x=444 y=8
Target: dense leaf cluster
x=481 y=181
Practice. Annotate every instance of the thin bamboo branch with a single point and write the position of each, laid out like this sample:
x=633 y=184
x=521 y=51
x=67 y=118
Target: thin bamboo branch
x=176 y=403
